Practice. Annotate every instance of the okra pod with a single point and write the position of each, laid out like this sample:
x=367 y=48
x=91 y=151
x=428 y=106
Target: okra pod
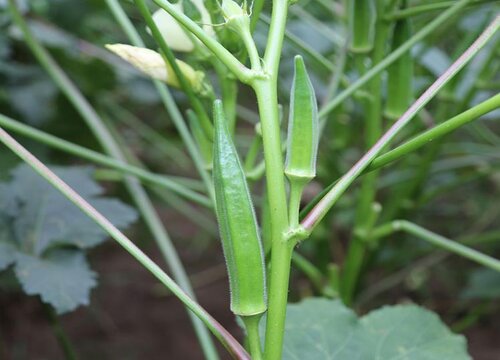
x=237 y=223
x=303 y=137
x=361 y=18
x=400 y=74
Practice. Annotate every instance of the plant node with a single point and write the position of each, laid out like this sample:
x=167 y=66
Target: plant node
x=296 y=234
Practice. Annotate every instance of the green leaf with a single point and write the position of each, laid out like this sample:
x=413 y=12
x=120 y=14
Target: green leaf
x=62 y=278
x=326 y=329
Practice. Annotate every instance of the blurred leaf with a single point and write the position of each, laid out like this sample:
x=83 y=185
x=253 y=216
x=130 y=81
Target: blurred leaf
x=29 y=91
x=46 y=218
x=4 y=46
x=48 y=35
x=326 y=329
x=33 y=100
x=475 y=18
x=22 y=4
x=62 y=279
x=435 y=60
x=482 y=284
x=44 y=234
x=7 y=250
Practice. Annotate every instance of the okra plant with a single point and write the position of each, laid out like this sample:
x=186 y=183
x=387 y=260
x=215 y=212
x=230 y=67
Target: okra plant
x=210 y=52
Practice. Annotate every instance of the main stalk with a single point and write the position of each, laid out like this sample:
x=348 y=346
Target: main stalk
x=281 y=250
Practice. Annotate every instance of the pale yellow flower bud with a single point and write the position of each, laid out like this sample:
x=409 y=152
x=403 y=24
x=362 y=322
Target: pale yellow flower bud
x=174 y=34
x=152 y=64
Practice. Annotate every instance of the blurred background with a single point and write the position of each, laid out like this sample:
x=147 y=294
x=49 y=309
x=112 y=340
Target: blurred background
x=130 y=316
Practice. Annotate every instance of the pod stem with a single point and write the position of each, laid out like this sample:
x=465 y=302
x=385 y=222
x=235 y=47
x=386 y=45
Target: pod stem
x=296 y=189
x=253 y=336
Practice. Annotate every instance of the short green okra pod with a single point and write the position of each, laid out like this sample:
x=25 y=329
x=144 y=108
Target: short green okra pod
x=362 y=16
x=237 y=224
x=303 y=137
x=400 y=74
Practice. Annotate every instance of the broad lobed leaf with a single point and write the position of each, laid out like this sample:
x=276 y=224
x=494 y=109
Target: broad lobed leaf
x=44 y=235
x=63 y=278
x=44 y=218
x=326 y=329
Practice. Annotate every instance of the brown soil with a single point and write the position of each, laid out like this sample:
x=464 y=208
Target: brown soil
x=132 y=317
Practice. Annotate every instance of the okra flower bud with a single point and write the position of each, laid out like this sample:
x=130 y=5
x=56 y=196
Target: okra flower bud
x=152 y=64
x=173 y=33
x=237 y=224
x=236 y=16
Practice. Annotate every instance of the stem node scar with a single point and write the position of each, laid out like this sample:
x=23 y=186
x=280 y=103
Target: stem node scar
x=295 y=235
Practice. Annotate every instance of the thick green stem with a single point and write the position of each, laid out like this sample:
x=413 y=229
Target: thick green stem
x=281 y=251
x=278 y=296
x=276 y=35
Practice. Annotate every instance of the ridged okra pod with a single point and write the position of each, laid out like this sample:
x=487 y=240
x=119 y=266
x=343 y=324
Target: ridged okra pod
x=237 y=224
x=361 y=17
x=400 y=74
x=303 y=137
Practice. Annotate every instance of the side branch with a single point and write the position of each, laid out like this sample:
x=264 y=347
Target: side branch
x=326 y=203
